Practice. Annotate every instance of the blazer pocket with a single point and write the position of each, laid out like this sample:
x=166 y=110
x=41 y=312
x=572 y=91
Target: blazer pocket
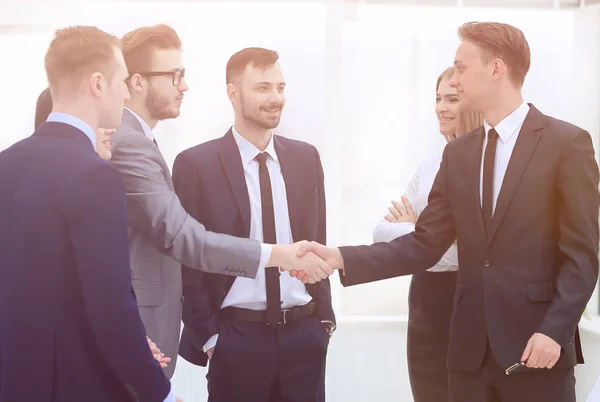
x=541 y=292
x=458 y=293
x=149 y=295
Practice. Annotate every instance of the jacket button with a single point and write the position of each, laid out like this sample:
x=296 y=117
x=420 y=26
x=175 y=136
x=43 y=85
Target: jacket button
x=487 y=263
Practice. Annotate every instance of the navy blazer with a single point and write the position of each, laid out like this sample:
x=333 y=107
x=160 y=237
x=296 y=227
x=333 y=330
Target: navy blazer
x=69 y=327
x=209 y=180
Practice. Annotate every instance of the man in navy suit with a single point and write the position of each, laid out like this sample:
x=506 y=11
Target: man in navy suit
x=69 y=327
x=271 y=332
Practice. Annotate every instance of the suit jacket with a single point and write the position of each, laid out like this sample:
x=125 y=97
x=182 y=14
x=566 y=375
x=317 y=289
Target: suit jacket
x=69 y=328
x=537 y=269
x=209 y=179
x=162 y=236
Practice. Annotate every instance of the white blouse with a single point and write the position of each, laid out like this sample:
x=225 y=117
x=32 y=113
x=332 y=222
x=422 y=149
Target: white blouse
x=418 y=193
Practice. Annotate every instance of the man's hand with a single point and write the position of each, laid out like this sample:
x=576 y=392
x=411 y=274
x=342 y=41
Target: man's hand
x=158 y=355
x=541 y=352
x=288 y=259
x=209 y=353
x=331 y=256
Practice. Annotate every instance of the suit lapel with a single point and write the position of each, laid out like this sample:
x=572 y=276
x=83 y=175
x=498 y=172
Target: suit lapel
x=292 y=176
x=473 y=155
x=232 y=164
x=130 y=119
x=524 y=147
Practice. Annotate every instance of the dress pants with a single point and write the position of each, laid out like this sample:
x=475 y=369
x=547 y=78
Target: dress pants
x=491 y=384
x=430 y=310
x=253 y=362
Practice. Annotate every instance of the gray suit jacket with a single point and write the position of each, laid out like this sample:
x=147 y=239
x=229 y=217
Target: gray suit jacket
x=162 y=236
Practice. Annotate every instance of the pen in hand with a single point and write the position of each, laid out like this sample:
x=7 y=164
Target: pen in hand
x=514 y=367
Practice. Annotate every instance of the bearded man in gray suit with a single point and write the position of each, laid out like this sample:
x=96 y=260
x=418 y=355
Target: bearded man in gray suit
x=162 y=235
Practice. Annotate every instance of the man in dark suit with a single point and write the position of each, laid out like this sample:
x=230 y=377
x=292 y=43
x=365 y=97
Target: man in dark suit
x=521 y=197
x=271 y=333
x=69 y=326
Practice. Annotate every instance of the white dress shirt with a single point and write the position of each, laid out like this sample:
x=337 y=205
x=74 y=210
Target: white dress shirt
x=508 y=132
x=251 y=293
x=145 y=127
x=418 y=193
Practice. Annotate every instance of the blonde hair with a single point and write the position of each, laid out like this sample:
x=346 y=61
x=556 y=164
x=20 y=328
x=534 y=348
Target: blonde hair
x=467 y=120
x=77 y=51
x=502 y=41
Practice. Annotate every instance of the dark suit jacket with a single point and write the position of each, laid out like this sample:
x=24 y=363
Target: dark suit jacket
x=69 y=327
x=209 y=179
x=538 y=268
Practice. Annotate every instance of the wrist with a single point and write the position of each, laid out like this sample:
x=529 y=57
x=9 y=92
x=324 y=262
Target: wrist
x=280 y=256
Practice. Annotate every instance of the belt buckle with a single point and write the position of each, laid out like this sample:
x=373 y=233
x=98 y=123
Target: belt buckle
x=284 y=316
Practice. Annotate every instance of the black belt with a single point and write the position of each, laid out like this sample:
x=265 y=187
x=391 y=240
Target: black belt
x=289 y=315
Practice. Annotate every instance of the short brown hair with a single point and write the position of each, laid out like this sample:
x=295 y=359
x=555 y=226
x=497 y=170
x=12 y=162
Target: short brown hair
x=79 y=50
x=43 y=107
x=467 y=121
x=139 y=44
x=258 y=57
x=502 y=41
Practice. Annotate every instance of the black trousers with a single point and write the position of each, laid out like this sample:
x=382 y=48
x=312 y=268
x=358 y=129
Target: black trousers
x=491 y=384
x=430 y=310
x=256 y=363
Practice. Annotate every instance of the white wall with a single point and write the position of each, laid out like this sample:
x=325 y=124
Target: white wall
x=360 y=87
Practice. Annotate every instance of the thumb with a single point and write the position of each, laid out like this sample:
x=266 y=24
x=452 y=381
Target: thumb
x=304 y=248
x=527 y=351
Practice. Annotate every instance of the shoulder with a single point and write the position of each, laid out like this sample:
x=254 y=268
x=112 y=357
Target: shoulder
x=560 y=130
x=127 y=135
x=201 y=154
x=207 y=148
x=297 y=145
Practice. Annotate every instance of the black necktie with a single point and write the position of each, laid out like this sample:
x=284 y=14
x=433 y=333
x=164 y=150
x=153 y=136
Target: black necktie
x=154 y=141
x=488 y=180
x=269 y=237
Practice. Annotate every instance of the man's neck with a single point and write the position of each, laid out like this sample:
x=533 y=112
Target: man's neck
x=258 y=136
x=505 y=104
x=78 y=110
x=141 y=111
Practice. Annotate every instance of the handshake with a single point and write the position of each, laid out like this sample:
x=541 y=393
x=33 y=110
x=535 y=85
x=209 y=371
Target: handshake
x=309 y=262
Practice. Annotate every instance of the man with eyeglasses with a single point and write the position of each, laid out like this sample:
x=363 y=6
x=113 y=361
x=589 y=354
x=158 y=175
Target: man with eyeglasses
x=162 y=235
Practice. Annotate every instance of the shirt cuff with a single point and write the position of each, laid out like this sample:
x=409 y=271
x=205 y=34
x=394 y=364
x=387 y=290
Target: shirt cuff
x=211 y=343
x=265 y=255
x=170 y=397
x=333 y=326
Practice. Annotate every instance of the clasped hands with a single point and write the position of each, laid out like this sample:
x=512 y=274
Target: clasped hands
x=312 y=262
x=309 y=262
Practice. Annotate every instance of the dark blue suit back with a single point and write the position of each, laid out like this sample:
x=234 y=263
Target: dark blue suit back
x=69 y=327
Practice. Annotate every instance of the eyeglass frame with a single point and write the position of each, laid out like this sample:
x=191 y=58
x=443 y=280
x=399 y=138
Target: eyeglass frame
x=172 y=73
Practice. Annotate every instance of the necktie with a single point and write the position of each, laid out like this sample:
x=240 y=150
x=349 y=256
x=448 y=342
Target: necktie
x=154 y=141
x=488 y=180
x=269 y=237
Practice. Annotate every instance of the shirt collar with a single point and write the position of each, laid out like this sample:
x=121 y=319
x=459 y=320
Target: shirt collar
x=248 y=151
x=509 y=125
x=147 y=130
x=74 y=122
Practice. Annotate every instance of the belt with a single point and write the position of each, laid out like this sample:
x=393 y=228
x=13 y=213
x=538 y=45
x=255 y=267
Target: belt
x=288 y=315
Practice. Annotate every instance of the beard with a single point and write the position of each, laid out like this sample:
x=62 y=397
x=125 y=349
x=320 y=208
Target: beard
x=159 y=106
x=255 y=116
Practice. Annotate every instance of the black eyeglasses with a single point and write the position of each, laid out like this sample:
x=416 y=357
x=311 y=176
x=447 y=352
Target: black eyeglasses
x=176 y=75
